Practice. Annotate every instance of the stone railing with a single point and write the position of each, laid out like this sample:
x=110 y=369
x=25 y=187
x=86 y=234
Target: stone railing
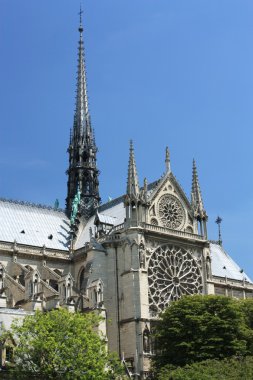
x=119 y=227
x=152 y=227
x=159 y=229
x=109 y=238
x=30 y=249
x=232 y=282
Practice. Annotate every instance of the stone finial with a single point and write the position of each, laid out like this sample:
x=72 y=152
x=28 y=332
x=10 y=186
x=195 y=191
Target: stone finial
x=167 y=160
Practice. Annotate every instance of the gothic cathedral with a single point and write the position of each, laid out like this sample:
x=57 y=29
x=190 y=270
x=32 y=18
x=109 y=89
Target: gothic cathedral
x=126 y=259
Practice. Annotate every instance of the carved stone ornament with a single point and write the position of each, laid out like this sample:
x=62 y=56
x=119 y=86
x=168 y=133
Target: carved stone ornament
x=154 y=222
x=172 y=273
x=171 y=212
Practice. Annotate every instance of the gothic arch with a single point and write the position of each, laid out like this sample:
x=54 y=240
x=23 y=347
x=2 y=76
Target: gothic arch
x=80 y=277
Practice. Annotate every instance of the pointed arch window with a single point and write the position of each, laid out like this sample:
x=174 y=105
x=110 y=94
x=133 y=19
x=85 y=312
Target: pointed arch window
x=81 y=279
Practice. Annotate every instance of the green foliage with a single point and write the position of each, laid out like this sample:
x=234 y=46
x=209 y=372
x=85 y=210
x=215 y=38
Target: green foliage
x=247 y=309
x=62 y=345
x=227 y=369
x=198 y=328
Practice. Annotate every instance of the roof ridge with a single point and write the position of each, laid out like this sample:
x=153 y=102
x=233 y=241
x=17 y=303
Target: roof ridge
x=31 y=204
x=111 y=203
x=115 y=201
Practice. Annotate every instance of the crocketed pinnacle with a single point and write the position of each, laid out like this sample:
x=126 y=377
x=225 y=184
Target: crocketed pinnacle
x=132 y=178
x=196 y=197
x=82 y=125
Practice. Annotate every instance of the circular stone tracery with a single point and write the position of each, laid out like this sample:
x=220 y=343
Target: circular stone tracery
x=171 y=212
x=172 y=273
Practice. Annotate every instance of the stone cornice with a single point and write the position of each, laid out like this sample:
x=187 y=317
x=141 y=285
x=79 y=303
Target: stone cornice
x=27 y=250
x=230 y=283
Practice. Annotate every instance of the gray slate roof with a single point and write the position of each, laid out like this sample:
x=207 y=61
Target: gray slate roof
x=105 y=219
x=224 y=266
x=37 y=222
x=113 y=211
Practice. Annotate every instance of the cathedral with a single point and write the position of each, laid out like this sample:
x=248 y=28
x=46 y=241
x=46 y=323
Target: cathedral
x=126 y=259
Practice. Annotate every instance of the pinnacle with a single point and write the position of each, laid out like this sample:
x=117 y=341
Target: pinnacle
x=196 y=197
x=167 y=160
x=132 y=180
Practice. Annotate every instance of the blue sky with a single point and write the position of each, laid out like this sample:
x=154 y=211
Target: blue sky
x=162 y=72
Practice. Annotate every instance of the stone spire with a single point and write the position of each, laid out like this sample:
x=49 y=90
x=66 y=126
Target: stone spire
x=82 y=171
x=196 y=197
x=132 y=178
x=82 y=127
x=197 y=203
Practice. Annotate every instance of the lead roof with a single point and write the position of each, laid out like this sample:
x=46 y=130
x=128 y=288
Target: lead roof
x=33 y=225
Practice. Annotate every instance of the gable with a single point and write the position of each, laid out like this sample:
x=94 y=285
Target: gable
x=169 y=206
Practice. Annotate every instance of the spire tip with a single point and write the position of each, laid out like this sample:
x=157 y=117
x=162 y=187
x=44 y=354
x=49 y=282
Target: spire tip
x=81 y=22
x=218 y=222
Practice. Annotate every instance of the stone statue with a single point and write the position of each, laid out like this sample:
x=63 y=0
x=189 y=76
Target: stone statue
x=146 y=340
x=208 y=267
x=142 y=256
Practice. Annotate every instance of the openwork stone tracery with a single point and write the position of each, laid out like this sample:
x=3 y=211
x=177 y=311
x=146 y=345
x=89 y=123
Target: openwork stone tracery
x=171 y=212
x=172 y=272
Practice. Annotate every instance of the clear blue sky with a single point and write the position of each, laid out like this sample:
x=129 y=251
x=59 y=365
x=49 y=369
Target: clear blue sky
x=163 y=72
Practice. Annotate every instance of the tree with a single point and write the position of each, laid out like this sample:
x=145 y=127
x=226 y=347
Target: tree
x=198 y=328
x=62 y=345
x=247 y=309
x=227 y=369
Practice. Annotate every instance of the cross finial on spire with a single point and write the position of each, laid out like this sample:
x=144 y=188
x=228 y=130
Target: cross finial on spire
x=218 y=221
x=82 y=117
x=81 y=22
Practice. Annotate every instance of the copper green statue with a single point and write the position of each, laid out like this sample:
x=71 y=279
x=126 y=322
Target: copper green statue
x=75 y=205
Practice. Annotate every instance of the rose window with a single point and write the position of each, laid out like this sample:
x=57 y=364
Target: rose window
x=171 y=212
x=172 y=273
